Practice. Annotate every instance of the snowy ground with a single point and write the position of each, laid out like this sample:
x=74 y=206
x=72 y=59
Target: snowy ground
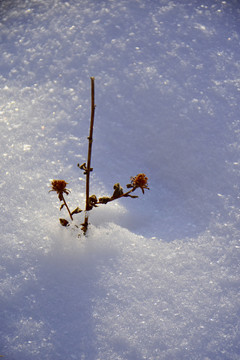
x=157 y=278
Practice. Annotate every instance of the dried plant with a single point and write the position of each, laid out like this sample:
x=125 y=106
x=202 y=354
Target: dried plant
x=139 y=181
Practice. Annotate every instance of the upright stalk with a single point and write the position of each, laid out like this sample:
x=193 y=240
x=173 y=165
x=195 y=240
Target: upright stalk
x=88 y=167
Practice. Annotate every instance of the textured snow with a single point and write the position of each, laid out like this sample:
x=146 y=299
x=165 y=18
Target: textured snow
x=157 y=278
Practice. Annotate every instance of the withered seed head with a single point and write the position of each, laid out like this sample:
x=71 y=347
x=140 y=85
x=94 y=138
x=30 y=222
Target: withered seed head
x=140 y=181
x=60 y=187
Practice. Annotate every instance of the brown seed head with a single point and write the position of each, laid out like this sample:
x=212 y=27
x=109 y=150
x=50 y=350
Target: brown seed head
x=140 y=181
x=60 y=187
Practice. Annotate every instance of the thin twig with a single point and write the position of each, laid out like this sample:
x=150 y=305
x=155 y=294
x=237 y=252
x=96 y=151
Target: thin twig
x=126 y=194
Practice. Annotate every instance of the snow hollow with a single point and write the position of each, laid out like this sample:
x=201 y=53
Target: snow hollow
x=157 y=278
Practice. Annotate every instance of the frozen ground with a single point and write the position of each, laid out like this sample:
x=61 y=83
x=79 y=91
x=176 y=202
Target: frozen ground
x=157 y=278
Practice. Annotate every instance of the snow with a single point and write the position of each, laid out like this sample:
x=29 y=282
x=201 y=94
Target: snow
x=157 y=277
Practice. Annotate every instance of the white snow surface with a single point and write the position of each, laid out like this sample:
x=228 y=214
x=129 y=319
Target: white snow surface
x=157 y=277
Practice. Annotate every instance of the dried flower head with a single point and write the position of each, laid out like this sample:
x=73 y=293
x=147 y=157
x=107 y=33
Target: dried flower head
x=60 y=187
x=140 y=181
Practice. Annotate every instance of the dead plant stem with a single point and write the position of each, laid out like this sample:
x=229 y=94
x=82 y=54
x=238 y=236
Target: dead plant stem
x=90 y=141
x=67 y=208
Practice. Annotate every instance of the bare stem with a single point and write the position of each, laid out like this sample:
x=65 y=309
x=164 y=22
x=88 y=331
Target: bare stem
x=90 y=141
x=67 y=207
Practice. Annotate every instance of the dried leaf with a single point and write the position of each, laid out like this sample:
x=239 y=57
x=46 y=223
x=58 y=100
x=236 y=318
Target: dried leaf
x=64 y=222
x=104 y=200
x=93 y=200
x=76 y=211
x=82 y=166
x=118 y=191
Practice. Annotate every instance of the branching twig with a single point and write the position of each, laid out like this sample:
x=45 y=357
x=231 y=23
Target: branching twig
x=139 y=181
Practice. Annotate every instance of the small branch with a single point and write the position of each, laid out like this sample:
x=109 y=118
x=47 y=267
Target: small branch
x=106 y=200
